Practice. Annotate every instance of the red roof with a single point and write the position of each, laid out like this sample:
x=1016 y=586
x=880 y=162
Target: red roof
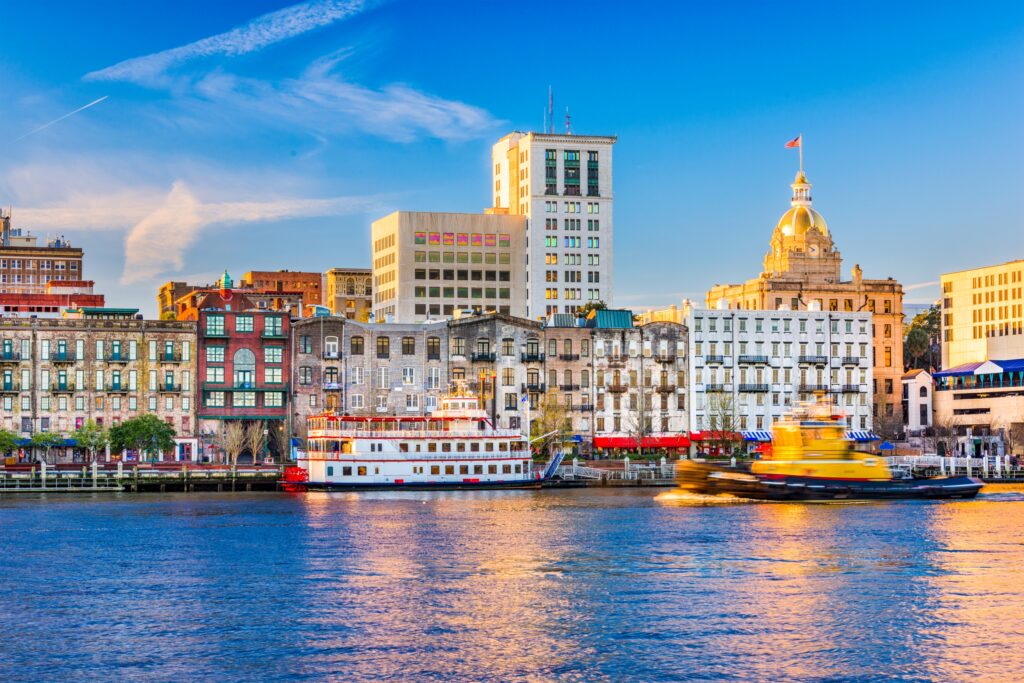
x=711 y=435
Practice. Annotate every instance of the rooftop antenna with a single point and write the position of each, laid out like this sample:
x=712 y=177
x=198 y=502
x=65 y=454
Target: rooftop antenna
x=568 y=120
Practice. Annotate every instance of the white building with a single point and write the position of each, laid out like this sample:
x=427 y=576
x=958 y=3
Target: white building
x=917 y=401
x=562 y=184
x=749 y=367
x=427 y=265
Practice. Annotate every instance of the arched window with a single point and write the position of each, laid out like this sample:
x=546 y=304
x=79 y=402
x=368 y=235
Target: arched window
x=350 y=286
x=368 y=287
x=244 y=362
x=330 y=347
x=567 y=347
x=924 y=392
x=567 y=377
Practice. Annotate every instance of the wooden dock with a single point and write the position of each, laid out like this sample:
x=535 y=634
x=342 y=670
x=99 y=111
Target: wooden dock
x=21 y=479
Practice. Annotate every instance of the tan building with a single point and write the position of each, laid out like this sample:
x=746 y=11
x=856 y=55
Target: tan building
x=169 y=293
x=26 y=267
x=349 y=292
x=983 y=314
x=103 y=364
x=281 y=281
x=802 y=271
x=428 y=265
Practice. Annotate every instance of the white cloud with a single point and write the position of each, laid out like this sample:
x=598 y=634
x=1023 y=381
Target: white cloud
x=263 y=31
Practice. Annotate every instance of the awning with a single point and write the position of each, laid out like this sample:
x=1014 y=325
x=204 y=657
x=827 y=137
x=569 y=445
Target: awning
x=757 y=436
x=710 y=435
x=861 y=436
x=655 y=441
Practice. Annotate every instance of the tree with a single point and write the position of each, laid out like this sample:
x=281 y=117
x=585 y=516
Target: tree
x=145 y=434
x=255 y=439
x=640 y=423
x=551 y=421
x=585 y=309
x=722 y=421
x=1013 y=437
x=279 y=441
x=888 y=421
x=945 y=435
x=92 y=438
x=921 y=340
x=47 y=441
x=234 y=441
x=8 y=441
x=168 y=315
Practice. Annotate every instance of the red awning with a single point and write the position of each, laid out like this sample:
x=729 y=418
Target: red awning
x=709 y=435
x=666 y=441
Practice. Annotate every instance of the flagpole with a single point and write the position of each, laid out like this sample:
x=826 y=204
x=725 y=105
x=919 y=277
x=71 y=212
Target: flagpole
x=801 y=152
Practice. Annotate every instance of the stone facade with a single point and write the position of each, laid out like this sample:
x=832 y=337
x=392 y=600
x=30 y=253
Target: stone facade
x=318 y=372
x=57 y=373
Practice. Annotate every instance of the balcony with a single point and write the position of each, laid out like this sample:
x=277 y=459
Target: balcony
x=568 y=356
x=170 y=388
x=332 y=386
x=811 y=388
x=851 y=360
x=243 y=386
x=433 y=356
x=331 y=355
x=63 y=358
x=850 y=389
x=714 y=388
x=568 y=387
x=216 y=332
x=754 y=388
x=617 y=358
x=117 y=388
x=534 y=387
x=583 y=408
x=62 y=388
x=665 y=388
x=483 y=357
x=665 y=358
x=273 y=334
x=754 y=360
x=713 y=360
x=10 y=357
x=531 y=357
x=813 y=360
x=117 y=358
x=617 y=388
x=9 y=388
x=171 y=358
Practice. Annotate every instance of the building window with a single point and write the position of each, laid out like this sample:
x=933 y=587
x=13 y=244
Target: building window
x=244 y=399
x=272 y=375
x=244 y=362
x=273 y=354
x=383 y=347
x=305 y=344
x=214 y=326
x=243 y=323
x=433 y=348
x=408 y=346
x=215 y=399
x=214 y=354
x=273 y=326
x=355 y=346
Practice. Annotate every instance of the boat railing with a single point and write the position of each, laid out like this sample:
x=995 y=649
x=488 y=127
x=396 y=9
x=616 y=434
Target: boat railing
x=446 y=455
x=993 y=464
x=413 y=434
x=619 y=469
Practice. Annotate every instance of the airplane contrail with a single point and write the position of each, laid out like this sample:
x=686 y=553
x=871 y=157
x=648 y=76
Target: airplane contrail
x=47 y=125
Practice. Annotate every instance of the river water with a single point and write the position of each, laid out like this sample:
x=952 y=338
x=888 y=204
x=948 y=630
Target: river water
x=580 y=585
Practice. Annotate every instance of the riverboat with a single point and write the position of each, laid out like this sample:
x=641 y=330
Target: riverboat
x=811 y=459
x=455 y=447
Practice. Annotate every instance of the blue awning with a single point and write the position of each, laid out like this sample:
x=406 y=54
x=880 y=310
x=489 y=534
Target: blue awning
x=757 y=436
x=861 y=436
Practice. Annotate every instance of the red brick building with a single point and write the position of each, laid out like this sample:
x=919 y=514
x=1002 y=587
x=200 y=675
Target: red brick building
x=244 y=368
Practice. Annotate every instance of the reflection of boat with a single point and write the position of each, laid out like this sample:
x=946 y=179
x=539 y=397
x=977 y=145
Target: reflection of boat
x=811 y=460
x=457 y=446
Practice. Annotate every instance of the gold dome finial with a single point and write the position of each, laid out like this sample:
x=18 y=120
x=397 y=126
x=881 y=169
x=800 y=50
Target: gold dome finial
x=800 y=179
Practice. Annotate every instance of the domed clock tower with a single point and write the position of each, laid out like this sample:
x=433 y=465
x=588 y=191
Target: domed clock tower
x=801 y=245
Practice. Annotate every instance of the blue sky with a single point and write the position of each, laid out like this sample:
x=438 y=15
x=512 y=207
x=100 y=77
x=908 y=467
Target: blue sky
x=264 y=135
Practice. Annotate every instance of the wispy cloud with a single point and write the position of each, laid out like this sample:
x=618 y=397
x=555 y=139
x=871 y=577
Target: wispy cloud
x=152 y=69
x=59 y=119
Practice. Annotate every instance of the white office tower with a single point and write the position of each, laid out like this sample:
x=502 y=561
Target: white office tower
x=562 y=184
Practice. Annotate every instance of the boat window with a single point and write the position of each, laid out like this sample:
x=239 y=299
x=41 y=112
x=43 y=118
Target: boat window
x=463 y=469
x=330 y=471
x=478 y=469
x=519 y=468
x=506 y=469
x=361 y=471
x=474 y=447
x=489 y=446
x=460 y=447
x=449 y=469
x=435 y=469
x=446 y=447
x=503 y=446
x=346 y=471
x=431 y=447
x=376 y=470
x=492 y=469
x=417 y=448
x=403 y=448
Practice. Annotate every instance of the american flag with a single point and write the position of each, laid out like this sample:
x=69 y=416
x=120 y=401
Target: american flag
x=795 y=142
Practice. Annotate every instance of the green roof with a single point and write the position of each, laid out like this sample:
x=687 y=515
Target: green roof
x=604 y=319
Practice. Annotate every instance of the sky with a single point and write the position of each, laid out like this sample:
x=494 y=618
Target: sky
x=268 y=135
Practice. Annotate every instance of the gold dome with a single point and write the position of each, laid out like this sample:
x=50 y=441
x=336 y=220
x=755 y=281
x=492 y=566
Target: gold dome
x=799 y=220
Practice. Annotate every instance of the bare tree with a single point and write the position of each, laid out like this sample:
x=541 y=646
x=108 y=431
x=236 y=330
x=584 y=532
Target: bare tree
x=550 y=421
x=279 y=440
x=945 y=435
x=255 y=438
x=640 y=422
x=888 y=420
x=722 y=421
x=234 y=441
x=1013 y=437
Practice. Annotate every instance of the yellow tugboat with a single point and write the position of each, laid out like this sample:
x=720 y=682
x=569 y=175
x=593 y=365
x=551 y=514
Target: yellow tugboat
x=811 y=459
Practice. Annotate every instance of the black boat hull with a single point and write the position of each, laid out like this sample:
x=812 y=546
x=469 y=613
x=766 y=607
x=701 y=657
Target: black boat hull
x=707 y=479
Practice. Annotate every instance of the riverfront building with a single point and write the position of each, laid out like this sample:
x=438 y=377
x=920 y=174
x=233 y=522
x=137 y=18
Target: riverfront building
x=349 y=292
x=750 y=367
x=279 y=281
x=428 y=265
x=983 y=314
x=245 y=367
x=104 y=364
x=562 y=186
x=803 y=268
